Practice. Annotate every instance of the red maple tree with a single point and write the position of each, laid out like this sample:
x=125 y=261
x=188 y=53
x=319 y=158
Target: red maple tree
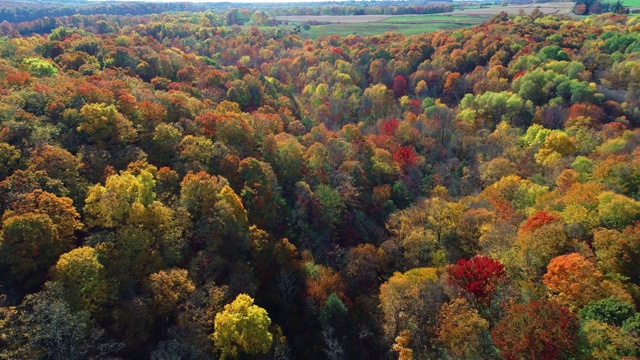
x=478 y=276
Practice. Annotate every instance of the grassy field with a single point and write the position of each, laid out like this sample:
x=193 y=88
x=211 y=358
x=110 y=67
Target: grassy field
x=408 y=25
x=425 y=19
x=631 y=3
x=416 y=24
x=367 y=25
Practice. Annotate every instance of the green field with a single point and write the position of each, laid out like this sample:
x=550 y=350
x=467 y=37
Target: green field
x=426 y=19
x=407 y=25
x=631 y=3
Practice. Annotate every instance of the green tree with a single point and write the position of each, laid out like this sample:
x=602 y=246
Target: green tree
x=608 y=342
x=40 y=67
x=618 y=252
x=553 y=52
x=617 y=211
x=611 y=310
x=333 y=313
x=289 y=160
x=260 y=193
x=376 y=102
x=9 y=159
x=242 y=327
x=195 y=153
x=166 y=142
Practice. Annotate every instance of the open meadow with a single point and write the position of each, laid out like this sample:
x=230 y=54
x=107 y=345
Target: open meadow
x=631 y=3
x=377 y=24
x=392 y=24
x=365 y=25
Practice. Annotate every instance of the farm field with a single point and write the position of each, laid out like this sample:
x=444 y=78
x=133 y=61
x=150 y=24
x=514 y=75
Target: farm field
x=366 y=25
x=378 y=24
x=369 y=29
x=558 y=8
x=631 y=3
x=429 y=18
x=332 y=19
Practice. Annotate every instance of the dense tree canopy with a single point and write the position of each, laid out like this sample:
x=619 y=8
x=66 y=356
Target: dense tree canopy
x=472 y=193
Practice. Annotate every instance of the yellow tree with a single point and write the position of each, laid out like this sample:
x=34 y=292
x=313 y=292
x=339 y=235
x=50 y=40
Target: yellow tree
x=168 y=289
x=556 y=145
x=410 y=301
x=541 y=238
x=82 y=278
x=242 y=327
x=512 y=195
x=39 y=227
x=147 y=234
x=422 y=230
x=461 y=329
x=618 y=252
x=609 y=342
x=401 y=346
x=617 y=211
x=105 y=125
x=376 y=102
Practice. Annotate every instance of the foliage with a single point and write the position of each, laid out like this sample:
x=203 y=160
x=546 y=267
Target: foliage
x=478 y=276
x=39 y=228
x=242 y=327
x=44 y=326
x=610 y=311
x=168 y=289
x=609 y=342
x=575 y=282
x=154 y=166
x=539 y=329
x=410 y=301
x=40 y=67
x=82 y=279
x=461 y=329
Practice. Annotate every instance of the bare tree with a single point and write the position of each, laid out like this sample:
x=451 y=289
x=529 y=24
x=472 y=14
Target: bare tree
x=334 y=347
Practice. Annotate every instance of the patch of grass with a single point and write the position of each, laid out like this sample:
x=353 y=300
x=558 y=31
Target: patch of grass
x=407 y=25
x=421 y=19
x=361 y=29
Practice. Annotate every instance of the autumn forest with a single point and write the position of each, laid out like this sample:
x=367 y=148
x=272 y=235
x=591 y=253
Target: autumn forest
x=208 y=185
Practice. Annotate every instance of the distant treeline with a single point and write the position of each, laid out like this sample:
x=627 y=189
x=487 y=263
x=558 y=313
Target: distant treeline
x=24 y=11
x=365 y=10
x=29 y=11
